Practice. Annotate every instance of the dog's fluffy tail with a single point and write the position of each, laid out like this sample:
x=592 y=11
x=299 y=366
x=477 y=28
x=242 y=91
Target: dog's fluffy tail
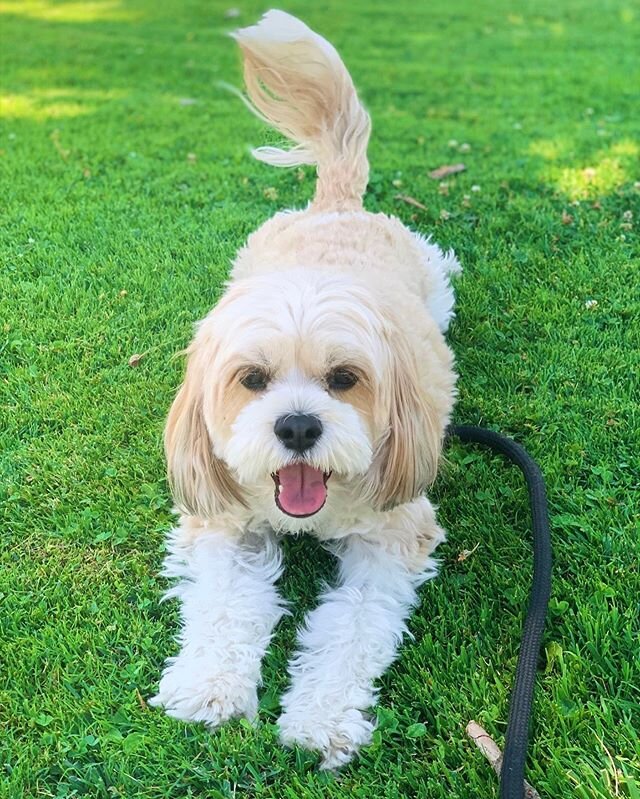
x=297 y=83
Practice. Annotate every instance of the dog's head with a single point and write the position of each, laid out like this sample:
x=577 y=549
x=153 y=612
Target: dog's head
x=301 y=380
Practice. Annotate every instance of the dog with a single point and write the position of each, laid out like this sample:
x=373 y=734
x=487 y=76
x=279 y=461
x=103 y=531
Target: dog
x=316 y=397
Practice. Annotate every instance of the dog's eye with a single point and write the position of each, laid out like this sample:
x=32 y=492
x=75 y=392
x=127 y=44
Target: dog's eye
x=341 y=379
x=255 y=379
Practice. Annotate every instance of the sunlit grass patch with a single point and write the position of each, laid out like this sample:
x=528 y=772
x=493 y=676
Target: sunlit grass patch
x=549 y=149
x=43 y=104
x=608 y=170
x=582 y=183
x=89 y=11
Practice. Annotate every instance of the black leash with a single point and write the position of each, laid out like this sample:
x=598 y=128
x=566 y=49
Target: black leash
x=517 y=735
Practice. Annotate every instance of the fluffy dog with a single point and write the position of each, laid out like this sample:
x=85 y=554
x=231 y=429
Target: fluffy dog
x=316 y=397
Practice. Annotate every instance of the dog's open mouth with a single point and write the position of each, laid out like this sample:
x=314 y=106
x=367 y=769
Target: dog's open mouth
x=301 y=490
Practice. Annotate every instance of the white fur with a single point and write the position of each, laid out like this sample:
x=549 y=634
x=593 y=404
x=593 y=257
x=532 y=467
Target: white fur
x=328 y=287
x=229 y=609
x=439 y=268
x=347 y=643
x=254 y=451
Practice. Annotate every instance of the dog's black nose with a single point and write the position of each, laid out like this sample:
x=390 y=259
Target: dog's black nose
x=298 y=431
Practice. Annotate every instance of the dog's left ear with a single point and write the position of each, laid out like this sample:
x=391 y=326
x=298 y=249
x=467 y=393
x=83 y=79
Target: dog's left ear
x=406 y=458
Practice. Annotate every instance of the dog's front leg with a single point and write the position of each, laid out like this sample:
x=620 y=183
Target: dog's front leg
x=352 y=636
x=229 y=608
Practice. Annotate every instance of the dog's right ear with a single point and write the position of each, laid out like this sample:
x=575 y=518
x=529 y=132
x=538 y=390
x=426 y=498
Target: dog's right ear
x=200 y=482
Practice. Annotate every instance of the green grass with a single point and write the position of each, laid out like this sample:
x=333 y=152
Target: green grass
x=126 y=190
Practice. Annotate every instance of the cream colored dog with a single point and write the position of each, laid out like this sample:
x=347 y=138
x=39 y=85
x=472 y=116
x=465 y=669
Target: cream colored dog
x=316 y=397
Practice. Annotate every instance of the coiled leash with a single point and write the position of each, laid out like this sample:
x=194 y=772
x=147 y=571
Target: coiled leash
x=517 y=735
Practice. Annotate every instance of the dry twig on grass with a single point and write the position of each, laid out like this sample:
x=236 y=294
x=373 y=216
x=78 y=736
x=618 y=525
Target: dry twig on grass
x=405 y=198
x=491 y=751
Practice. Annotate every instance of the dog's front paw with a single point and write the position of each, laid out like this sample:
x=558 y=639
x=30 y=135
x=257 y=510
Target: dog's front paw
x=195 y=689
x=337 y=735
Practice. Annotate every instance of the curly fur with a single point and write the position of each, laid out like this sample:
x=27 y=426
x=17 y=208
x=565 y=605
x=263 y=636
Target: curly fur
x=330 y=286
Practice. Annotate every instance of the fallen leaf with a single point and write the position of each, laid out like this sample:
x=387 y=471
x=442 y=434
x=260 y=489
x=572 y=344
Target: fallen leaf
x=567 y=219
x=405 y=198
x=141 y=702
x=466 y=553
x=135 y=359
x=446 y=170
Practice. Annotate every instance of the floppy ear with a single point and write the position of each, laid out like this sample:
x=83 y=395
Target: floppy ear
x=200 y=482
x=406 y=459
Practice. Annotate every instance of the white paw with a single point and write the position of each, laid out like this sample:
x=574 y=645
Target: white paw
x=337 y=736
x=197 y=689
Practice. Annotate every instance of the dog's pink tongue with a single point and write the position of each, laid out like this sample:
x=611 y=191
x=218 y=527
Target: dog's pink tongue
x=302 y=489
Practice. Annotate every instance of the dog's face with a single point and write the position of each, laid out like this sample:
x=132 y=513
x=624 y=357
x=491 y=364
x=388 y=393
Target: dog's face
x=299 y=381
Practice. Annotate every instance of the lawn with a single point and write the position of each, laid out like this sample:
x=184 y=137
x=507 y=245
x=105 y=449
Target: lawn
x=126 y=189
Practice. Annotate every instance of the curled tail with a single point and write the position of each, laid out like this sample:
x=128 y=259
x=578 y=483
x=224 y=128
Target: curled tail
x=297 y=83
